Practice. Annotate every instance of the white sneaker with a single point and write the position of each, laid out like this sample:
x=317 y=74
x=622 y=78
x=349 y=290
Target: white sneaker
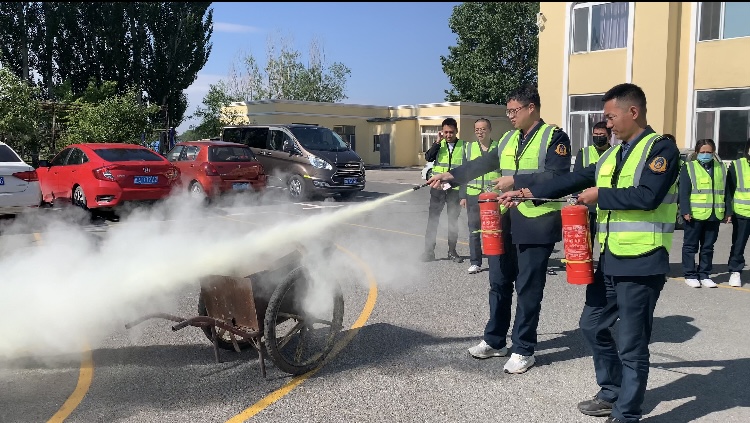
x=708 y=283
x=693 y=283
x=734 y=279
x=474 y=269
x=519 y=363
x=483 y=350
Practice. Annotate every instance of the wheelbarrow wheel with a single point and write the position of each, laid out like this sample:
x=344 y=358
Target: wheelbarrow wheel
x=301 y=322
x=223 y=341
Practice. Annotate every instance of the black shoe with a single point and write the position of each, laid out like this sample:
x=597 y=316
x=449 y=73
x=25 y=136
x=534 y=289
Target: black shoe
x=427 y=256
x=452 y=255
x=613 y=420
x=595 y=407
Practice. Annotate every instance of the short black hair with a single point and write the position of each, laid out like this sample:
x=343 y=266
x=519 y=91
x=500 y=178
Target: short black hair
x=629 y=93
x=602 y=125
x=450 y=122
x=485 y=120
x=526 y=95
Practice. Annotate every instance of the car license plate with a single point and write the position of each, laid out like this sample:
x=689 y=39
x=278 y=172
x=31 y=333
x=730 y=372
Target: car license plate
x=145 y=180
x=2 y=181
x=240 y=185
x=350 y=181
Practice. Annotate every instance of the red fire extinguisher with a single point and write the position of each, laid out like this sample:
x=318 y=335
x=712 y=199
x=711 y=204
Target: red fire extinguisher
x=579 y=257
x=491 y=225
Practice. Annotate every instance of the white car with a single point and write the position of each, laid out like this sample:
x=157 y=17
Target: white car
x=19 y=184
x=427 y=170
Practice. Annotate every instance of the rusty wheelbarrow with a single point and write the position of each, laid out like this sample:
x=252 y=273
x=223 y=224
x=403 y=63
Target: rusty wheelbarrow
x=278 y=311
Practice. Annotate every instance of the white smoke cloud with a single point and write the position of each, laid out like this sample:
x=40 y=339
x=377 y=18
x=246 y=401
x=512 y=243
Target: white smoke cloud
x=75 y=288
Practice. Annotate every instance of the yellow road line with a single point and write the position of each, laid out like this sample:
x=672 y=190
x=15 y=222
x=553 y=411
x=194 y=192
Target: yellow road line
x=276 y=395
x=85 y=376
x=681 y=278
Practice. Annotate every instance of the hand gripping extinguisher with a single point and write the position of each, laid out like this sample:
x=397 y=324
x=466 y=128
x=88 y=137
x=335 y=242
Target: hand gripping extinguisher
x=491 y=226
x=577 y=243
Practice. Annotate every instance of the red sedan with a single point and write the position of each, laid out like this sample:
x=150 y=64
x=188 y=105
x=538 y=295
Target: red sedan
x=210 y=168
x=104 y=175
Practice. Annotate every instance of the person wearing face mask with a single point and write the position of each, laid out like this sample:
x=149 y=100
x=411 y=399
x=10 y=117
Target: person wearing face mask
x=600 y=136
x=738 y=214
x=702 y=205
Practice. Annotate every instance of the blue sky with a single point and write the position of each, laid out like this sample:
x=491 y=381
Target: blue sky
x=392 y=49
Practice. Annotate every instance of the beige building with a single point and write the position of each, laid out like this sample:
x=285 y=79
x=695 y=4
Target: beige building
x=381 y=135
x=692 y=60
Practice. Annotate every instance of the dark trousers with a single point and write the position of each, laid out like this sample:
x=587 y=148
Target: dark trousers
x=622 y=377
x=703 y=234
x=503 y=273
x=475 y=224
x=438 y=199
x=530 y=280
x=740 y=233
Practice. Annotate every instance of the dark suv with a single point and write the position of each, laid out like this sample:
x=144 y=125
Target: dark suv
x=310 y=160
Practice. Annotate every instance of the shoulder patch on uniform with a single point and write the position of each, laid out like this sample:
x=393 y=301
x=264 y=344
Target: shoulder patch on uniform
x=658 y=165
x=561 y=150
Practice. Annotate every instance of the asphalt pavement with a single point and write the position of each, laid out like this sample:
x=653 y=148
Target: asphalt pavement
x=408 y=360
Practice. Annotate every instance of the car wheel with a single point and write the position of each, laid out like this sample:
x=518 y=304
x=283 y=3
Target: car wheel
x=196 y=190
x=79 y=198
x=297 y=190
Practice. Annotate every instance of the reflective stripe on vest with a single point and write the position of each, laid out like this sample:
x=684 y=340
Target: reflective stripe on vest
x=706 y=194
x=447 y=160
x=741 y=200
x=631 y=233
x=530 y=160
x=484 y=182
x=589 y=155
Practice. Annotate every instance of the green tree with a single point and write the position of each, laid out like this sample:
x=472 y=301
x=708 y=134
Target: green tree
x=117 y=118
x=212 y=117
x=21 y=115
x=287 y=77
x=496 y=52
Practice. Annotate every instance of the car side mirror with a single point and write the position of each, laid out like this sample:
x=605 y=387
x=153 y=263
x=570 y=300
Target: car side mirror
x=44 y=163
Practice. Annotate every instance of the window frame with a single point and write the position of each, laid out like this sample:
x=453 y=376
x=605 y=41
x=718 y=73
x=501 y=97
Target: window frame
x=717 y=116
x=590 y=6
x=424 y=134
x=722 y=12
x=587 y=130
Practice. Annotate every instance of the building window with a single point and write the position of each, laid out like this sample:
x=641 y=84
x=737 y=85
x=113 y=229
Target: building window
x=376 y=143
x=346 y=132
x=585 y=112
x=720 y=20
x=429 y=136
x=724 y=116
x=600 y=26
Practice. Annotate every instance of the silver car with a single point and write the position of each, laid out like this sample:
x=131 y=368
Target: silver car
x=19 y=184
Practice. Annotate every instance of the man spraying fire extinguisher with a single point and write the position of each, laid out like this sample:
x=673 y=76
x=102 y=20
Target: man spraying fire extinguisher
x=634 y=187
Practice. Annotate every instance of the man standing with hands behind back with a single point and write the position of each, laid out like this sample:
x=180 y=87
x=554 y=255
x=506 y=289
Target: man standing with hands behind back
x=447 y=153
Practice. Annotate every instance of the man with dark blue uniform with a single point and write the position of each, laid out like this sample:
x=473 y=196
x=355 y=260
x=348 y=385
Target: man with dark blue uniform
x=634 y=186
x=537 y=148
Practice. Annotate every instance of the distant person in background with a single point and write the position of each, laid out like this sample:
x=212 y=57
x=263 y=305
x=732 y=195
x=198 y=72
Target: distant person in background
x=702 y=205
x=447 y=153
x=469 y=193
x=600 y=137
x=738 y=213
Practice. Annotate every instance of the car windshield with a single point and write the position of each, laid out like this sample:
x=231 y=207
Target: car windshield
x=127 y=155
x=230 y=154
x=318 y=138
x=7 y=155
